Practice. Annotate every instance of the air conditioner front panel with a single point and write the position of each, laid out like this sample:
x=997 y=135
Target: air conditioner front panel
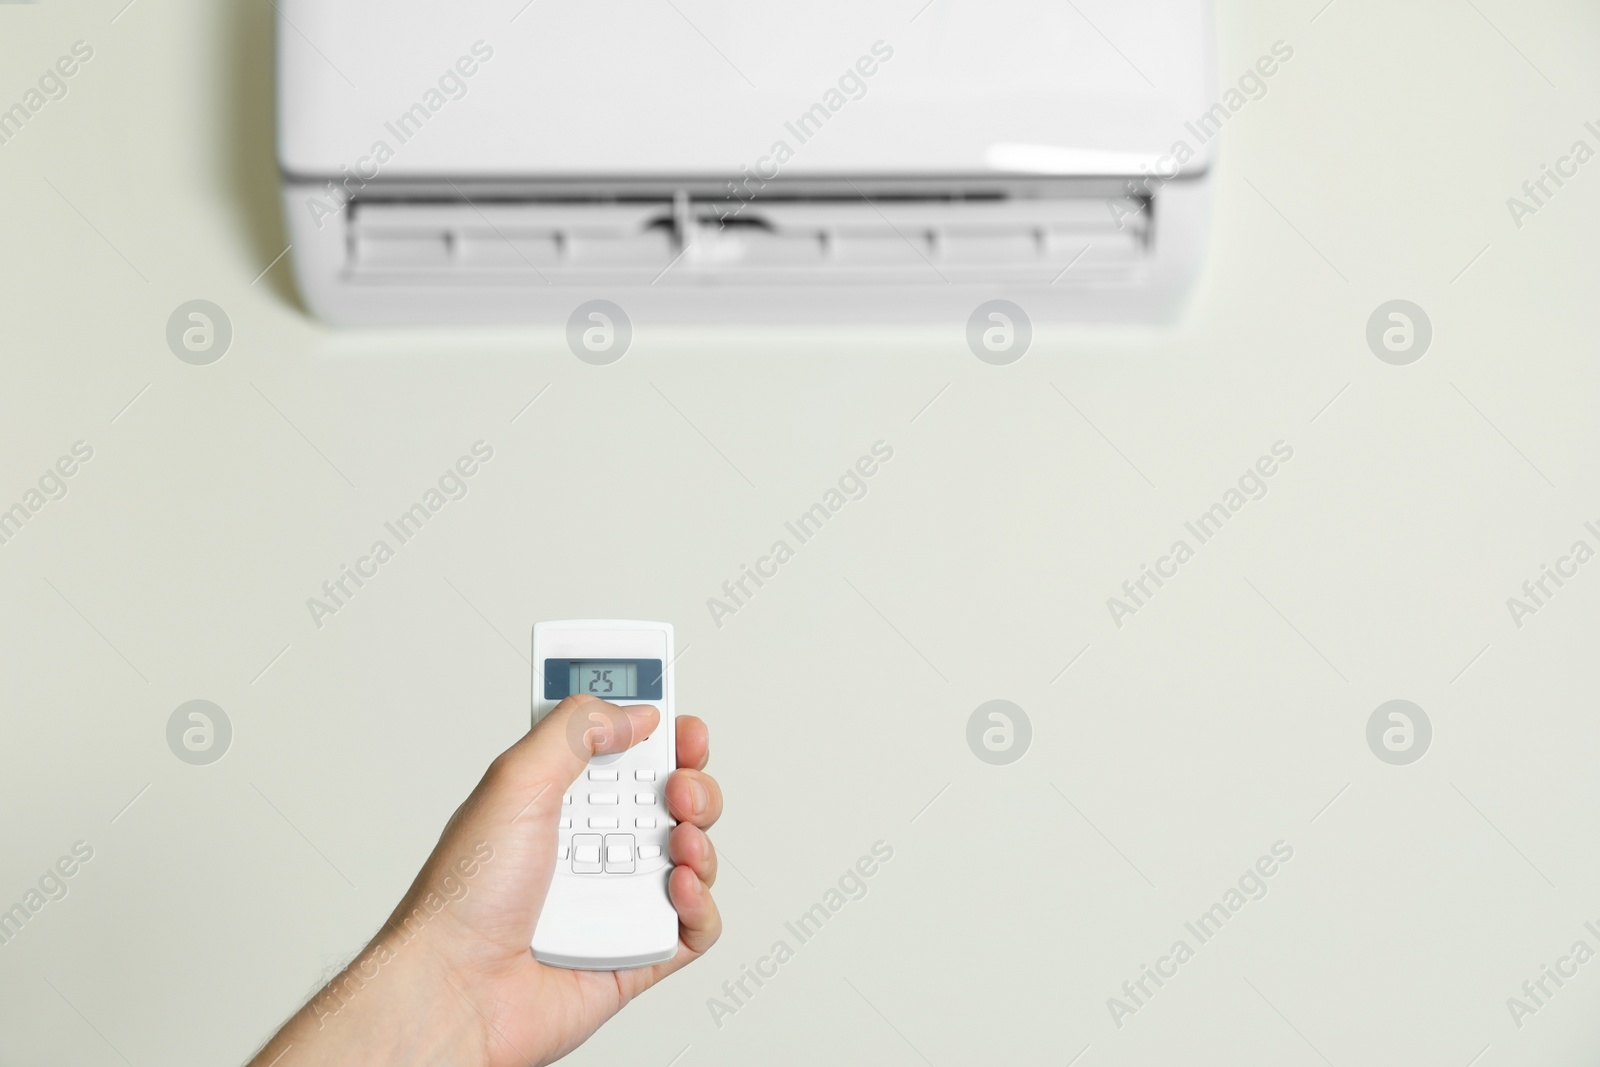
x=644 y=88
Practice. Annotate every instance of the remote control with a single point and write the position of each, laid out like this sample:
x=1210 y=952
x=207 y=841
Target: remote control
x=608 y=906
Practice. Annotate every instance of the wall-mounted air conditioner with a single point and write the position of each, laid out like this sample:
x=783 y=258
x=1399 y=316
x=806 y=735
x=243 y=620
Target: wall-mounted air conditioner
x=713 y=161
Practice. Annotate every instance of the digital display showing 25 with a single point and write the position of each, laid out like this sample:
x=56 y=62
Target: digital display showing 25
x=605 y=680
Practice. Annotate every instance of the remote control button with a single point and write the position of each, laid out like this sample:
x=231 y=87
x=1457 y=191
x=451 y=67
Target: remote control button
x=586 y=854
x=619 y=853
x=645 y=824
x=603 y=824
x=566 y=824
x=645 y=776
x=602 y=798
x=565 y=851
x=649 y=852
x=602 y=776
x=646 y=799
x=567 y=799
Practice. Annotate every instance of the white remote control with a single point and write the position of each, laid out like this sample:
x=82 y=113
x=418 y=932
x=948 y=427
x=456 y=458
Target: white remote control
x=608 y=906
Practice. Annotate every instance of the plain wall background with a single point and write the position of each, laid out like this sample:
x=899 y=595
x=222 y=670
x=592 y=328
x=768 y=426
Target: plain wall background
x=1177 y=749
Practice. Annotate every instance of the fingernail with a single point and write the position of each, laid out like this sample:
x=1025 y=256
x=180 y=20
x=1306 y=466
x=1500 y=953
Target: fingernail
x=698 y=797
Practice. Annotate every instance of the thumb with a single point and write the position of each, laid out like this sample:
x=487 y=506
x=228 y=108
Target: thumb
x=552 y=755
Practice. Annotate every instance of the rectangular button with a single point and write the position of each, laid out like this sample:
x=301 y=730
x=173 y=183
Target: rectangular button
x=645 y=776
x=566 y=824
x=645 y=824
x=586 y=854
x=602 y=798
x=565 y=851
x=647 y=799
x=567 y=799
x=649 y=852
x=599 y=775
x=619 y=853
x=603 y=824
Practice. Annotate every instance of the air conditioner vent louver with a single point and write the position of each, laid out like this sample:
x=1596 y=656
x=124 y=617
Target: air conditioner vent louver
x=795 y=240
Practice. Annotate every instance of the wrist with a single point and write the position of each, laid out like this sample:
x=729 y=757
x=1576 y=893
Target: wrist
x=395 y=1002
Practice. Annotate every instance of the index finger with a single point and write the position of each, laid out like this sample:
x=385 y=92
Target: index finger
x=694 y=743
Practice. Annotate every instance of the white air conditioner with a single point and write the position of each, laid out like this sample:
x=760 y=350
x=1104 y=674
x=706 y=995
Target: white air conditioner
x=502 y=161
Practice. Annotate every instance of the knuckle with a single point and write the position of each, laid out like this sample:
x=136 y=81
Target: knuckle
x=500 y=771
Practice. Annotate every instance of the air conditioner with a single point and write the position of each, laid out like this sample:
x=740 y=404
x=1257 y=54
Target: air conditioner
x=502 y=161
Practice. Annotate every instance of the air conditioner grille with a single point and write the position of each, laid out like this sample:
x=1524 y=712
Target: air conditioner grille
x=1074 y=240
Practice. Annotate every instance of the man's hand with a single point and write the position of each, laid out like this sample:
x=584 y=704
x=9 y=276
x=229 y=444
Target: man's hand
x=450 y=977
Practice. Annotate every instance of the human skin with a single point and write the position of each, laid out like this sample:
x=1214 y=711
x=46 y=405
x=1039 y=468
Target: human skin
x=450 y=978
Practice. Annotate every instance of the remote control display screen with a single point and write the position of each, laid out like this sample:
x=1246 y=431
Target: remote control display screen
x=605 y=680
x=608 y=679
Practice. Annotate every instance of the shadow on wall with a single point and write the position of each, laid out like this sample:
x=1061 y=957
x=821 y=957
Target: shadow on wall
x=252 y=166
